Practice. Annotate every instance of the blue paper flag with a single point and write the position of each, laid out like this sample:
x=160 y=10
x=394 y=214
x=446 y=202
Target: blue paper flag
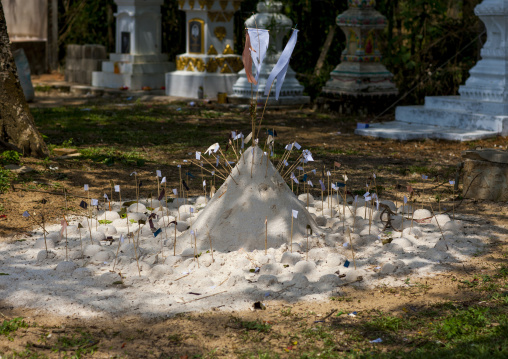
x=305 y=178
x=157 y=232
x=346 y=263
x=340 y=184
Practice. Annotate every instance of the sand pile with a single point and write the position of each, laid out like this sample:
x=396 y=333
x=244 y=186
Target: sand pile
x=90 y=271
x=235 y=217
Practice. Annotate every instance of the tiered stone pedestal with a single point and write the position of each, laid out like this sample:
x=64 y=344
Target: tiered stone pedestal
x=137 y=62
x=481 y=111
x=360 y=83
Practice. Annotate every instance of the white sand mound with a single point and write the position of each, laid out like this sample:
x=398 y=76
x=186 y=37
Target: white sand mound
x=235 y=216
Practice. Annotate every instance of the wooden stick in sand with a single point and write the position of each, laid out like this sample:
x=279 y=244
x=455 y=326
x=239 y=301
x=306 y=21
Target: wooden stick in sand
x=211 y=249
x=266 y=235
x=120 y=241
x=308 y=228
x=434 y=215
x=66 y=242
x=351 y=245
x=294 y=214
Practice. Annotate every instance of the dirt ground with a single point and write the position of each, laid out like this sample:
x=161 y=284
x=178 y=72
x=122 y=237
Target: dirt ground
x=216 y=333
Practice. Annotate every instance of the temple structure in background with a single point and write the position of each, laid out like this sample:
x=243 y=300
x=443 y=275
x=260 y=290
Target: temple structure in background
x=209 y=65
x=361 y=80
x=137 y=62
x=480 y=111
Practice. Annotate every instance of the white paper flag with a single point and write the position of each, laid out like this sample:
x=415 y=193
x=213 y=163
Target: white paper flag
x=310 y=183
x=106 y=196
x=158 y=172
x=374 y=175
x=163 y=180
x=175 y=191
x=217 y=161
x=345 y=178
x=134 y=173
x=259 y=39
x=405 y=199
x=185 y=161
x=295 y=213
x=86 y=187
x=94 y=202
x=314 y=171
x=366 y=194
x=297 y=146
x=288 y=147
x=117 y=188
x=121 y=238
x=179 y=166
x=368 y=198
x=204 y=183
x=452 y=182
x=280 y=69
x=328 y=173
x=198 y=155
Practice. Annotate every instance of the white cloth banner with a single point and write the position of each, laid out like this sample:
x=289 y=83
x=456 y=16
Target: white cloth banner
x=280 y=69
x=259 y=39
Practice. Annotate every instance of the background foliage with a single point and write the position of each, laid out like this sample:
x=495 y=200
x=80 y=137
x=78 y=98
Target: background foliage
x=421 y=37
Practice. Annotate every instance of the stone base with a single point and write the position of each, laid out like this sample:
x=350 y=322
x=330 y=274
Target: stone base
x=449 y=118
x=404 y=131
x=133 y=71
x=187 y=84
x=486 y=175
x=360 y=104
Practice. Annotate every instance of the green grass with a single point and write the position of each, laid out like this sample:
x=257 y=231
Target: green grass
x=9 y=327
x=6 y=177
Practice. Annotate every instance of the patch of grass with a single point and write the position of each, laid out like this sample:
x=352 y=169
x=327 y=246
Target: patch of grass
x=105 y=221
x=255 y=325
x=6 y=177
x=81 y=343
x=8 y=327
x=386 y=323
x=110 y=156
x=9 y=157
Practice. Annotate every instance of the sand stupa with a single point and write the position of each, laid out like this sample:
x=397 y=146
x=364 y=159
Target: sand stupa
x=235 y=216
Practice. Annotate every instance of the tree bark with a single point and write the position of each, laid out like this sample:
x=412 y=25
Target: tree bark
x=17 y=126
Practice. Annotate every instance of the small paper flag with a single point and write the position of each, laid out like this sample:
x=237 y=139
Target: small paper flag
x=162 y=194
x=217 y=161
x=179 y=166
x=452 y=182
x=336 y=164
x=204 y=183
x=425 y=177
x=157 y=232
x=163 y=180
x=86 y=187
x=26 y=214
x=345 y=178
x=373 y=175
x=198 y=155
x=106 y=196
x=175 y=191
x=328 y=173
x=368 y=198
x=133 y=173
x=117 y=188
x=346 y=263
x=295 y=213
x=305 y=178
x=83 y=205
x=297 y=145
x=323 y=188
x=94 y=202
x=405 y=199
x=158 y=172
x=310 y=183
x=314 y=171
x=121 y=238
x=191 y=210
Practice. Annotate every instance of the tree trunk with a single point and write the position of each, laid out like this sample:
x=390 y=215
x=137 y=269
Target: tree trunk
x=17 y=126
